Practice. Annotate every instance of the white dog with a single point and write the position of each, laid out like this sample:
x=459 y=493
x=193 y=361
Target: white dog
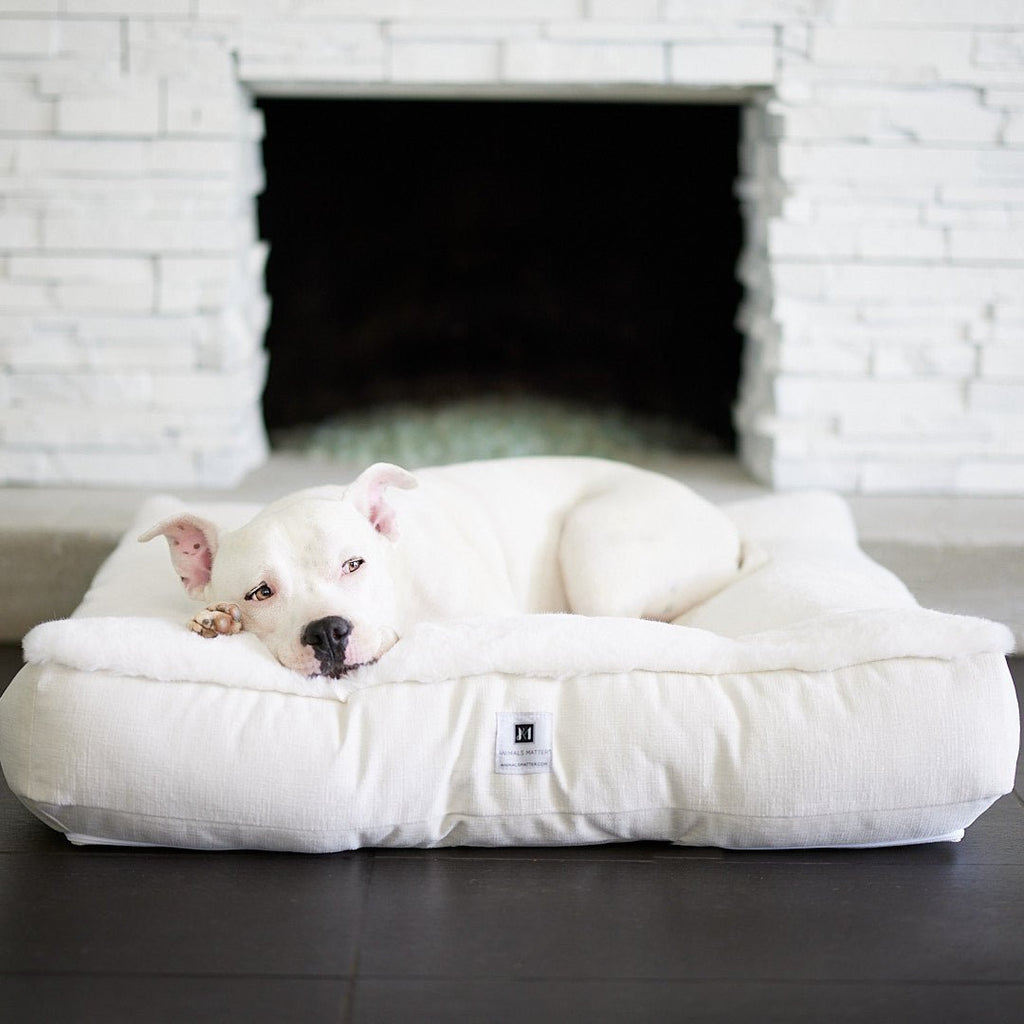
x=330 y=578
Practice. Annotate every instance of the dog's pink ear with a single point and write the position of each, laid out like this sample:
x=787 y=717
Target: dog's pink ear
x=193 y=545
x=366 y=493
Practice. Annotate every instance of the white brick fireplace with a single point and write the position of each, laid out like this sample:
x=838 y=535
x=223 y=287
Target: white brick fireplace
x=882 y=185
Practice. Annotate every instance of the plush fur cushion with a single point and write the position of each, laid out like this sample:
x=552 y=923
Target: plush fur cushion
x=810 y=703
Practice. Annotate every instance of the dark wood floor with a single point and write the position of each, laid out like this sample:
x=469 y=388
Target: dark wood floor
x=639 y=932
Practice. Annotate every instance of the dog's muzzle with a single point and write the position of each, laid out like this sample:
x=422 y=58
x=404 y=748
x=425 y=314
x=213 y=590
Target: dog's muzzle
x=328 y=637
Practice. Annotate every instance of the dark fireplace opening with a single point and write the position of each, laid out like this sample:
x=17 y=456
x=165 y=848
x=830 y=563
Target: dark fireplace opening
x=430 y=250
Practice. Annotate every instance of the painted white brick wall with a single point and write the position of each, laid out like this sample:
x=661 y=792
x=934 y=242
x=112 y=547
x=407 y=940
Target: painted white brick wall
x=882 y=188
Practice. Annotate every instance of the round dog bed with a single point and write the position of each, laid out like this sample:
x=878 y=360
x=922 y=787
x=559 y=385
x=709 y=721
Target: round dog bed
x=810 y=703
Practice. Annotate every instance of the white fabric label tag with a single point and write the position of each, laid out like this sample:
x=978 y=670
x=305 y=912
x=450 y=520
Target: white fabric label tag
x=523 y=743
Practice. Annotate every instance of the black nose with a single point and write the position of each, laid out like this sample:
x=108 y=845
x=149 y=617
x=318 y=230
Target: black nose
x=328 y=638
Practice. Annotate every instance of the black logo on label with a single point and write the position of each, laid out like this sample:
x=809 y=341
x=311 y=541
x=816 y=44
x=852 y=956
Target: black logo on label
x=524 y=732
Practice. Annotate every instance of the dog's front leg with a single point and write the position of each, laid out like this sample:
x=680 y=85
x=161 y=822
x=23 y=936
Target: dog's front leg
x=217 y=620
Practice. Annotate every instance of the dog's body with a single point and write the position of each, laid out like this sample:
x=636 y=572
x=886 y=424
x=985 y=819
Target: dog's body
x=331 y=577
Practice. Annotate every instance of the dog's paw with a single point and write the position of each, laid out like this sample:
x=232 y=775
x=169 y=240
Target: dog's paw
x=217 y=620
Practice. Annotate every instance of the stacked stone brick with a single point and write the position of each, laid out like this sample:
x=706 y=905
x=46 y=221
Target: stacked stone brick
x=882 y=187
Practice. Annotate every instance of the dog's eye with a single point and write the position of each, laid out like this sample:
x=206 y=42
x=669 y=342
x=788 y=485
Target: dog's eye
x=260 y=593
x=351 y=565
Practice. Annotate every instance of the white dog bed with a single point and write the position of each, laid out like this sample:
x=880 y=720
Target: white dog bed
x=810 y=703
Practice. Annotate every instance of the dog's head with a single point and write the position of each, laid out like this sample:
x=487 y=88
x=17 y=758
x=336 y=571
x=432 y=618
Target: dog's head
x=311 y=573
